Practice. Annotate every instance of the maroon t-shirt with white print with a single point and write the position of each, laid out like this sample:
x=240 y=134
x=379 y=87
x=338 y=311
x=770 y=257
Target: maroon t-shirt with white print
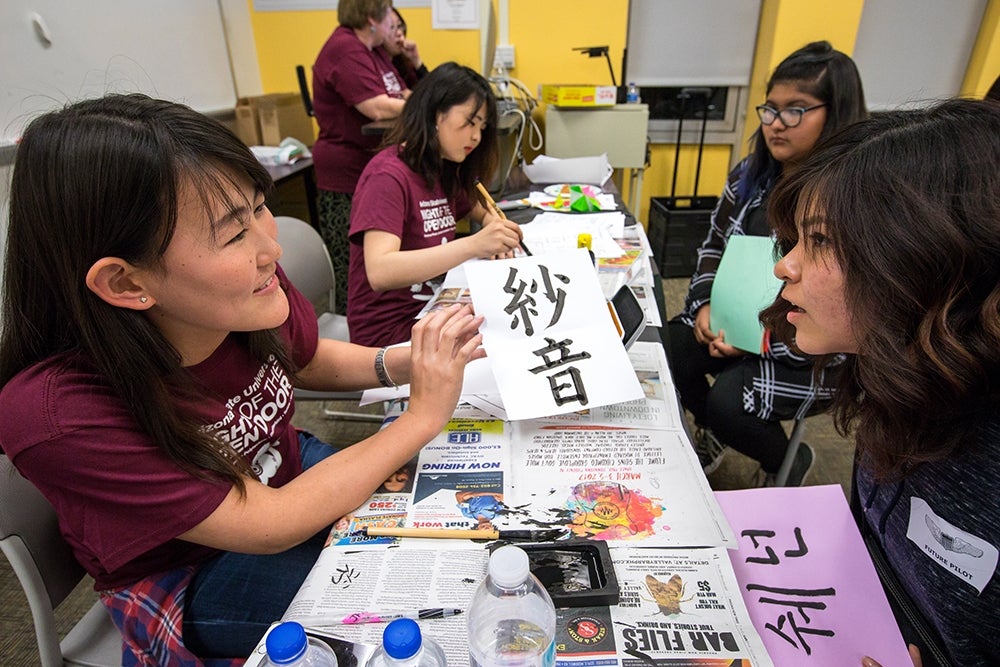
x=393 y=198
x=121 y=503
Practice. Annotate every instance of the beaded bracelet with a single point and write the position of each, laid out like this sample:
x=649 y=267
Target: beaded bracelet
x=380 y=371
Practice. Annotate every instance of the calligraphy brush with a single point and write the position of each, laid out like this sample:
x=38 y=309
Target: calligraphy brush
x=467 y=534
x=496 y=209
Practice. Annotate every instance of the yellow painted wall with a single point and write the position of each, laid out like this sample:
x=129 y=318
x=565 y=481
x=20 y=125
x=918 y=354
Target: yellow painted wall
x=544 y=32
x=984 y=63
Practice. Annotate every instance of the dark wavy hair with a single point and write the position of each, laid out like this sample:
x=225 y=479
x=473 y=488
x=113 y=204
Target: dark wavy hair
x=828 y=75
x=100 y=178
x=415 y=132
x=911 y=204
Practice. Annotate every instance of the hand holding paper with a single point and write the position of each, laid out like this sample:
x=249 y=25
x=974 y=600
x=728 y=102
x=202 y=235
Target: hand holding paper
x=744 y=285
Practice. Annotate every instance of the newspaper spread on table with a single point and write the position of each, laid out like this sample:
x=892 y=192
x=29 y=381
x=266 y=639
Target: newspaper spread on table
x=677 y=606
x=591 y=474
x=587 y=475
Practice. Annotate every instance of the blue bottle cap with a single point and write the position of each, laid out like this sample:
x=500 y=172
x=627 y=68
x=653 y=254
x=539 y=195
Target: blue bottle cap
x=286 y=643
x=401 y=638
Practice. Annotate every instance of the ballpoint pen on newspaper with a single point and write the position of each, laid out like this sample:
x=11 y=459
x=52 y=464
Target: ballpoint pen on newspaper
x=533 y=535
x=360 y=617
x=492 y=204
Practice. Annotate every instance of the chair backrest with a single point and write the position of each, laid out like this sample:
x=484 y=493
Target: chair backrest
x=306 y=262
x=26 y=514
x=48 y=572
x=300 y=73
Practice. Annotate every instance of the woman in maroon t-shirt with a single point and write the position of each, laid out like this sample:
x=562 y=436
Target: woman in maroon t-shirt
x=410 y=197
x=354 y=83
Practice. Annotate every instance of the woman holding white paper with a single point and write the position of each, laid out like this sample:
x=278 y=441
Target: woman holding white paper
x=812 y=93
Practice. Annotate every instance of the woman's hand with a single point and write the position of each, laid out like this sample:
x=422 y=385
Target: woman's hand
x=443 y=342
x=719 y=348
x=498 y=238
x=702 y=331
x=409 y=48
x=914 y=656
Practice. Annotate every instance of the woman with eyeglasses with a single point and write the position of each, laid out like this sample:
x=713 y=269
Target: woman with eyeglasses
x=405 y=55
x=811 y=94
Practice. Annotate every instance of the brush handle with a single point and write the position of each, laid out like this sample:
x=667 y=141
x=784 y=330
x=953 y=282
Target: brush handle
x=437 y=533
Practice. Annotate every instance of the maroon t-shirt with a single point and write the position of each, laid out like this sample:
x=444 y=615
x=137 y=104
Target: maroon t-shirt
x=346 y=73
x=392 y=198
x=121 y=503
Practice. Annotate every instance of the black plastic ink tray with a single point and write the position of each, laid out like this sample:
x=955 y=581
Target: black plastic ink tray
x=576 y=573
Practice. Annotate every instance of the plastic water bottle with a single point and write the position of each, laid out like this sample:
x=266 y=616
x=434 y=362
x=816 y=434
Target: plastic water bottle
x=288 y=645
x=632 y=94
x=402 y=646
x=512 y=621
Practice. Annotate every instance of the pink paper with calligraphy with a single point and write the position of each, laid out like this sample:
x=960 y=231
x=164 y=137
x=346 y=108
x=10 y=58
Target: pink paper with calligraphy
x=807 y=579
x=553 y=345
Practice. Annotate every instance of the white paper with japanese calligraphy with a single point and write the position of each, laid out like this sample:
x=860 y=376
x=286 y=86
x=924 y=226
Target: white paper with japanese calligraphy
x=548 y=331
x=653 y=410
x=809 y=584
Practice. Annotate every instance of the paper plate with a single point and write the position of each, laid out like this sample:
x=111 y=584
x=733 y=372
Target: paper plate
x=563 y=189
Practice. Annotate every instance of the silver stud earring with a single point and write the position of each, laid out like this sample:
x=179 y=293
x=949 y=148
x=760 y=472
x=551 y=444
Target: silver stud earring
x=372 y=29
x=143 y=299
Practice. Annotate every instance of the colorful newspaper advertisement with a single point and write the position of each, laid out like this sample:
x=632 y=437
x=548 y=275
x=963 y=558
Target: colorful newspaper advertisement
x=628 y=486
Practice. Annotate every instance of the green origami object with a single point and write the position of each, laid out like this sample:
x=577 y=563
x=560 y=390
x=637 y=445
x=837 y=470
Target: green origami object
x=581 y=202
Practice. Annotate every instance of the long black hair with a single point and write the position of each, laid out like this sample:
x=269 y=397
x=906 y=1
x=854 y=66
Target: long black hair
x=447 y=85
x=828 y=75
x=100 y=178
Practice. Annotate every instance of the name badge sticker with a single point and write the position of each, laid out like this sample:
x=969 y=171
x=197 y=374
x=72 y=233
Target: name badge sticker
x=971 y=559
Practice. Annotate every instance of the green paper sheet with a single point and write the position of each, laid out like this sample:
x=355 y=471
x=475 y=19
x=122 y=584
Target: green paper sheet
x=744 y=285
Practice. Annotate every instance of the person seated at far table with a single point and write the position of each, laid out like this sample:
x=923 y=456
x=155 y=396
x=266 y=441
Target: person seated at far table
x=812 y=93
x=405 y=56
x=891 y=241
x=411 y=196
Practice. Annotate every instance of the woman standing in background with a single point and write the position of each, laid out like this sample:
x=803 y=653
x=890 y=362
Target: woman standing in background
x=354 y=83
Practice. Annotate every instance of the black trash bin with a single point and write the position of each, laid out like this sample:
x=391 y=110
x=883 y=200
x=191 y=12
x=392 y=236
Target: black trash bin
x=679 y=225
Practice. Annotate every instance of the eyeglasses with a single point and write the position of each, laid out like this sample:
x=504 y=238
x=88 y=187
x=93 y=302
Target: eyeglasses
x=790 y=116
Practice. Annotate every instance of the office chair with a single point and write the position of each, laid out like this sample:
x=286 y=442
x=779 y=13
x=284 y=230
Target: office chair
x=300 y=73
x=48 y=573
x=307 y=264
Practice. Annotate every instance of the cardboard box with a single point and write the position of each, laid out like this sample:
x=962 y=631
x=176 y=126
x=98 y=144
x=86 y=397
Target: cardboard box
x=264 y=120
x=578 y=95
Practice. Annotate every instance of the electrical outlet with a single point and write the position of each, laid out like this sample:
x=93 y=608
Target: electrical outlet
x=505 y=56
